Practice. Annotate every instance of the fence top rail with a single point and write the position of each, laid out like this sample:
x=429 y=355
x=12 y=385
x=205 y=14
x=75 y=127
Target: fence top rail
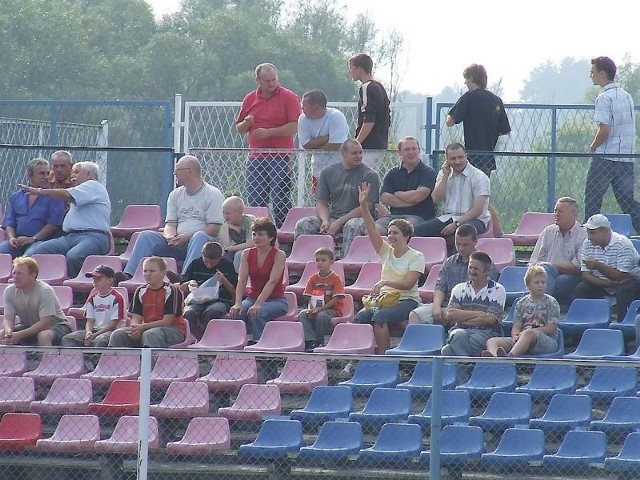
x=122 y=103
x=234 y=103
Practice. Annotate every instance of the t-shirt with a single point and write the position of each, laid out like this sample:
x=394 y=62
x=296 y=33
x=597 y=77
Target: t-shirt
x=40 y=302
x=331 y=285
x=199 y=272
x=399 y=179
x=152 y=305
x=90 y=209
x=240 y=237
x=373 y=107
x=194 y=212
x=339 y=187
x=29 y=220
x=396 y=269
x=104 y=309
x=490 y=299
x=535 y=313
x=332 y=124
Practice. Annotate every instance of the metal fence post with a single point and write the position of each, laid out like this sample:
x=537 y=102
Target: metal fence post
x=436 y=420
x=428 y=126
x=551 y=162
x=143 y=414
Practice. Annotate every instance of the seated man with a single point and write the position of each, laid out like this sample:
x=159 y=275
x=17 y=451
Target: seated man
x=194 y=216
x=30 y=217
x=85 y=230
x=41 y=319
x=475 y=310
x=463 y=191
x=60 y=174
x=406 y=189
x=235 y=233
x=558 y=251
x=609 y=265
x=337 y=197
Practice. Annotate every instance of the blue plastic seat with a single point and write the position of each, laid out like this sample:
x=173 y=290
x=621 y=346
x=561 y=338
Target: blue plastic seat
x=507 y=322
x=633 y=357
x=325 y=404
x=628 y=324
x=623 y=417
x=384 y=405
x=609 y=382
x=420 y=339
x=578 y=450
x=455 y=407
x=597 y=343
x=565 y=412
x=458 y=445
x=586 y=313
x=335 y=440
x=395 y=442
x=628 y=460
x=636 y=243
x=488 y=378
x=620 y=223
x=421 y=381
x=549 y=379
x=505 y=410
x=517 y=447
x=371 y=374
x=512 y=279
x=276 y=438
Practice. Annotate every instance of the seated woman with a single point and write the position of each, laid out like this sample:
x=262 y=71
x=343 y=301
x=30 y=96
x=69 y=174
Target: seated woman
x=401 y=269
x=156 y=312
x=263 y=264
x=535 y=322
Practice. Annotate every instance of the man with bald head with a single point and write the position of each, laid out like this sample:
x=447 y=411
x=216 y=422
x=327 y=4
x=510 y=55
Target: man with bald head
x=269 y=115
x=194 y=216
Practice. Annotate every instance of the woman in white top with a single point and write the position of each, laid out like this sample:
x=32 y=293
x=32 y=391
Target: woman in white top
x=401 y=269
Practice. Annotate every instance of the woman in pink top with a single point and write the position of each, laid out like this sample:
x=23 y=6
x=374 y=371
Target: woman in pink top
x=264 y=265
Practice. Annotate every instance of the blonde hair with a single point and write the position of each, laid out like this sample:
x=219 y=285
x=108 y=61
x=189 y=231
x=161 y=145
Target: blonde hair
x=534 y=271
x=162 y=264
x=31 y=264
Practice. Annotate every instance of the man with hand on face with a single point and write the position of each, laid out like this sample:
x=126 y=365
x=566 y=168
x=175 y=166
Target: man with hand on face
x=463 y=191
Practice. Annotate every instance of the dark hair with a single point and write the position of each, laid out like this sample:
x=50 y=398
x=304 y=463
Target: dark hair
x=212 y=250
x=454 y=146
x=605 y=64
x=263 y=224
x=404 y=139
x=363 y=61
x=467 y=230
x=404 y=226
x=477 y=74
x=316 y=97
x=483 y=258
x=325 y=251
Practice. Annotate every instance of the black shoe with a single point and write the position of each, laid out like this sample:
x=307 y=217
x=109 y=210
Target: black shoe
x=172 y=276
x=309 y=345
x=120 y=277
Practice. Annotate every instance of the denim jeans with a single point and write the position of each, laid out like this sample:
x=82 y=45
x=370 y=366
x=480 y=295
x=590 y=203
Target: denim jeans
x=560 y=285
x=433 y=227
x=270 y=178
x=270 y=309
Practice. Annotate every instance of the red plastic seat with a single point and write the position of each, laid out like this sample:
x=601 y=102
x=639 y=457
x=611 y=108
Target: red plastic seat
x=360 y=253
x=73 y=434
x=3 y=287
x=292 y=308
x=530 y=227
x=348 y=311
x=124 y=439
x=6 y=267
x=53 y=365
x=171 y=368
x=122 y=398
x=286 y=231
x=126 y=255
x=303 y=249
x=66 y=395
x=427 y=290
x=280 y=336
x=136 y=218
x=183 y=399
x=309 y=270
x=16 y=394
x=138 y=277
x=202 y=436
x=13 y=363
x=64 y=293
x=301 y=376
x=230 y=373
x=253 y=402
x=500 y=250
x=83 y=284
x=52 y=267
x=19 y=430
x=434 y=250
x=368 y=276
x=350 y=338
x=258 y=212
x=188 y=338
x=223 y=334
x=114 y=366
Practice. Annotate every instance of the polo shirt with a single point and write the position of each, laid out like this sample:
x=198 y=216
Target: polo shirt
x=614 y=107
x=90 y=208
x=490 y=299
x=619 y=253
x=399 y=179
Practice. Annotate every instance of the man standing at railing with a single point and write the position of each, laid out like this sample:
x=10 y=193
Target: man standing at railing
x=616 y=133
x=269 y=115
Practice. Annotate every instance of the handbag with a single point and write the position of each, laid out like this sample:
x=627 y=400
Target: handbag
x=389 y=298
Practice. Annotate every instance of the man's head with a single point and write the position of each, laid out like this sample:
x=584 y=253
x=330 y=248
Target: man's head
x=603 y=71
x=409 y=150
x=84 y=171
x=598 y=230
x=456 y=157
x=324 y=258
x=351 y=152
x=360 y=66
x=466 y=238
x=314 y=104
x=565 y=213
x=232 y=210
x=187 y=170
x=267 y=78
x=479 y=267
x=61 y=163
x=475 y=76
x=103 y=277
x=211 y=254
x=38 y=173
x=24 y=273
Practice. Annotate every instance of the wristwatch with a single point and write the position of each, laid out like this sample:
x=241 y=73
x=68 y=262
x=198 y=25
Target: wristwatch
x=456 y=223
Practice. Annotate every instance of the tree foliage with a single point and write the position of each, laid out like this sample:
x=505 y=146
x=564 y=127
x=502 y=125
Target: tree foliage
x=565 y=82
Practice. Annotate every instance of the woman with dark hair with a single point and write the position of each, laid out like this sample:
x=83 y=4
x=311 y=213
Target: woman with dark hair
x=264 y=265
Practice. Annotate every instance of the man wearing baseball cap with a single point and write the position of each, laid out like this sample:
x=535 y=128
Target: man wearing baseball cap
x=105 y=309
x=609 y=265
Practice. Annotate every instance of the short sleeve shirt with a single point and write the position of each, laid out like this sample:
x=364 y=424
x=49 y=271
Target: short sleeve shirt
x=152 y=305
x=552 y=247
x=199 y=272
x=104 y=309
x=619 y=254
x=490 y=299
x=535 y=313
x=194 y=212
x=462 y=189
x=339 y=187
x=40 y=302
x=399 y=179
x=332 y=124
x=373 y=107
x=396 y=269
x=331 y=285
x=453 y=272
x=614 y=107
x=90 y=209
x=240 y=237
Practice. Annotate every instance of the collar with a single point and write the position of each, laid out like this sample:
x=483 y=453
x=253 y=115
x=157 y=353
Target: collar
x=275 y=92
x=610 y=86
x=418 y=167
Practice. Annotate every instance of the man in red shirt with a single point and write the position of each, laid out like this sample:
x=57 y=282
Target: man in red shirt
x=269 y=115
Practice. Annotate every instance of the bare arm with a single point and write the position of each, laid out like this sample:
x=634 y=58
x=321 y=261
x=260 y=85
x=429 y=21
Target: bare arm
x=364 y=131
x=440 y=189
x=611 y=273
x=59 y=193
x=369 y=222
x=450 y=121
x=476 y=209
x=591 y=279
x=322 y=209
x=282 y=131
x=245 y=125
x=470 y=318
x=414 y=197
x=601 y=136
x=243 y=275
x=43 y=324
x=316 y=143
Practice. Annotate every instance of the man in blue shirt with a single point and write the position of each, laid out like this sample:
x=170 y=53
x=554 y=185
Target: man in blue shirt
x=29 y=217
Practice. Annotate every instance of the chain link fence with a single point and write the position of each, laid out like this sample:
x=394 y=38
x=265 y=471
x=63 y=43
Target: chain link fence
x=124 y=414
